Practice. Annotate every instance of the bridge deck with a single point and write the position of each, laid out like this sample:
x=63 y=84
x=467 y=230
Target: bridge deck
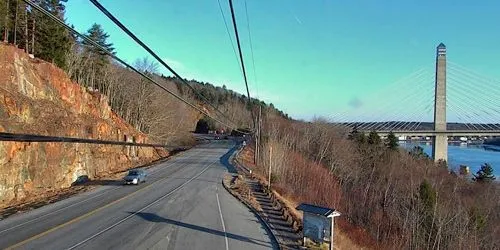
x=447 y=132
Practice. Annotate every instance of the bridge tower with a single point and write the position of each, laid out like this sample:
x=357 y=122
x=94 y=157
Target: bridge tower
x=440 y=141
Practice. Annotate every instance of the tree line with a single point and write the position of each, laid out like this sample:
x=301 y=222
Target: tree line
x=404 y=200
x=143 y=105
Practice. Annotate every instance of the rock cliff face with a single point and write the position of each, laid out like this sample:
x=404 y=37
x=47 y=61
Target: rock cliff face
x=38 y=98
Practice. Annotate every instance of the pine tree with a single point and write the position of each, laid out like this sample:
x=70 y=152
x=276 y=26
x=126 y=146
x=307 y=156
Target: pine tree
x=97 y=59
x=354 y=133
x=392 y=141
x=97 y=34
x=427 y=201
x=51 y=40
x=485 y=174
x=5 y=19
x=374 y=138
x=418 y=152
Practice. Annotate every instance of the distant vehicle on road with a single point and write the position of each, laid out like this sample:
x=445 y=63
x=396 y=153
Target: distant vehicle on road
x=135 y=177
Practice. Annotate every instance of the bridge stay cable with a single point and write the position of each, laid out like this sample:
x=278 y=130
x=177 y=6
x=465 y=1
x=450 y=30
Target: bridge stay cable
x=402 y=119
x=493 y=83
x=381 y=108
x=394 y=90
x=484 y=94
x=485 y=101
x=478 y=85
x=343 y=119
x=413 y=125
x=470 y=116
x=460 y=117
x=486 y=119
x=464 y=102
x=415 y=86
x=384 y=107
x=416 y=125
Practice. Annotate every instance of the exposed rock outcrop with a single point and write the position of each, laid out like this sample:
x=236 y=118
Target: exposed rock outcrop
x=36 y=97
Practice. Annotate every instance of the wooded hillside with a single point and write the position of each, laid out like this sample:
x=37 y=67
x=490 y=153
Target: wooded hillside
x=143 y=105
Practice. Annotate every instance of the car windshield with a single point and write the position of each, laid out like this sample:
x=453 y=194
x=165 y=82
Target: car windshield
x=133 y=173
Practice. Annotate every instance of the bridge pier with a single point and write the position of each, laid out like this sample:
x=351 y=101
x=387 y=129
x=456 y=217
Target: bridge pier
x=440 y=145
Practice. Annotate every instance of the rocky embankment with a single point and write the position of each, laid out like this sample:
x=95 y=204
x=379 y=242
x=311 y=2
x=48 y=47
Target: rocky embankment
x=36 y=97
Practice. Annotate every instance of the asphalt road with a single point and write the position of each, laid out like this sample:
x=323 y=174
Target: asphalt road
x=181 y=206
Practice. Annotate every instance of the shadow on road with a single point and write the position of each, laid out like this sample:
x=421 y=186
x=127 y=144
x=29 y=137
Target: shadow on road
x=158 y=219
x=103 y=183
x=224 y=160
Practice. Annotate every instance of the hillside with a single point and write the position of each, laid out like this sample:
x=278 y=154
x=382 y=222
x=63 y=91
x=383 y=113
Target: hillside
x=38 y=98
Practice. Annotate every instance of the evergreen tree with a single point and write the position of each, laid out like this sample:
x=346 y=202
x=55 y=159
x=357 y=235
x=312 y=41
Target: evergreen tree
x=485 y=174
x=427 y=201
x=97 y=60
x=427 y=196
x=52 y=41
x=418 y=152
x=357 y=136
x=374 y=138
x=97 y=34
x=354 y=133
x=392 y=141
x=5 y=19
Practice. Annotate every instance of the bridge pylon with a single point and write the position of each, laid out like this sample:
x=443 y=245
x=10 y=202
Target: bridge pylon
x=440 y=141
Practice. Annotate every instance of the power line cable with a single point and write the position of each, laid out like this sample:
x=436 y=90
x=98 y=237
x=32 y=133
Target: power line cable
x=241 y=59
x=152 y=53
x=104 y=50
x=42 y=138
x=251 y=50
x=229 y=35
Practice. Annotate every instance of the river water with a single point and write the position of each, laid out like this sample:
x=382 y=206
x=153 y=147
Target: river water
x=463 y=154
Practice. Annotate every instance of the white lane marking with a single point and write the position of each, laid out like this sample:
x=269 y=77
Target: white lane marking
x=222 y=218
x=142 y=209
x=159 y=168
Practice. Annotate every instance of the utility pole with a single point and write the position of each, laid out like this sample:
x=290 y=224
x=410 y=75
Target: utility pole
x=257 y=137
x=331 y=234
x=270 y=160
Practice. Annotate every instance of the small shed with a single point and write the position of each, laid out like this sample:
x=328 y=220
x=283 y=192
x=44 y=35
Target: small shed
x=318 y=223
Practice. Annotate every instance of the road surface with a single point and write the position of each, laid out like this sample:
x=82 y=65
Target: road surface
x=181 y=206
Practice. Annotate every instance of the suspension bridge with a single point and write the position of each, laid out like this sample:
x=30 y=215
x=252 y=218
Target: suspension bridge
x=450 y=92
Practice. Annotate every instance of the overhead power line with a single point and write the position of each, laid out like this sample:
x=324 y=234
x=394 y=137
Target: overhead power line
x=251 y=50
x=241 y=59
x=104 y=50
x=152 y=53
x=229 y=35
x=42 y=138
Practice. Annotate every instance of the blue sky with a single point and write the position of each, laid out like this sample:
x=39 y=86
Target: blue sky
x=312 y=58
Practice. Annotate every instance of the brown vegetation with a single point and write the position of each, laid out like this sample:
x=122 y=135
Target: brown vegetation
x=400 y=201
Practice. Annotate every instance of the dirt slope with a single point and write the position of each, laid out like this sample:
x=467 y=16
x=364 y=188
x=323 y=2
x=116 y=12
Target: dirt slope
x=37 y=97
